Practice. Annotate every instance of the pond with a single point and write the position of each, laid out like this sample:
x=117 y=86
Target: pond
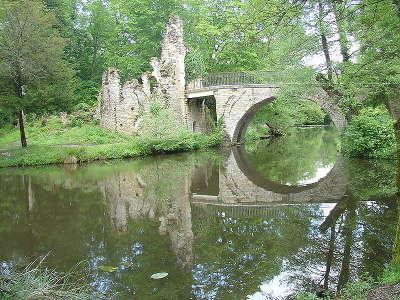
x=257 y=222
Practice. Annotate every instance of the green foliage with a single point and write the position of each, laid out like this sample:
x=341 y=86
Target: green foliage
x=159 y=122
x=236 y=35
x=306 y=296
x=37 y=282
x=371 y=135
x=391 y=274
x=31 y=59
x=276 y=117
x=356 y=290
x=136 y=147
x=86 y=92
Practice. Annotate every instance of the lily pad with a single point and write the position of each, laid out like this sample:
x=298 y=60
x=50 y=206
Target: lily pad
x=108 y=268
x=159 y=275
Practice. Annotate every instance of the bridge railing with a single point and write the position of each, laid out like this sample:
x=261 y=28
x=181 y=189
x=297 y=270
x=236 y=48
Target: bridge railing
x=236 y=78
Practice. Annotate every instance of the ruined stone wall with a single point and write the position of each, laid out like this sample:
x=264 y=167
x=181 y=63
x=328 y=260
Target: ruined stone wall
x=119 y=107
x=169 y=70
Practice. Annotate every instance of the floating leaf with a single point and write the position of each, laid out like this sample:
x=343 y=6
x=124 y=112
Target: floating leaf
x=108 y=268
x=159 y=275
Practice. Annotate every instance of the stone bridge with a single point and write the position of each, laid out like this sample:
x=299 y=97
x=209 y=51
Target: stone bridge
x=239 y=95
x=241 y=185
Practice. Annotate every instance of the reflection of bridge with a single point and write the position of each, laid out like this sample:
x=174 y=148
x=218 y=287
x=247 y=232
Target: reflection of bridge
x=239 y=95
x=256 y=210
x=240 y=184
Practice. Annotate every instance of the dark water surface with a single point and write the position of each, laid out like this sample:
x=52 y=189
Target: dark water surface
x=259 y=222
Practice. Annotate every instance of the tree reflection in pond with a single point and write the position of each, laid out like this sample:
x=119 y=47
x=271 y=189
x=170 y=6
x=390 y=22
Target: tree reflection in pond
x=138 y=216
x=303 y=156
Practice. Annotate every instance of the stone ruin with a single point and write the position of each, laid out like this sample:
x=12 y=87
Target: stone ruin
x=120 y=107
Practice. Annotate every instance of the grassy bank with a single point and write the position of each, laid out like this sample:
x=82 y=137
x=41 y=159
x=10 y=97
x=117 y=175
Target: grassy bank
x=385 y=288
x=54 y=143
x=37 y=282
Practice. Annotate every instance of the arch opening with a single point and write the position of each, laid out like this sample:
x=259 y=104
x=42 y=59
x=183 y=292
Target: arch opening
x=247 y=117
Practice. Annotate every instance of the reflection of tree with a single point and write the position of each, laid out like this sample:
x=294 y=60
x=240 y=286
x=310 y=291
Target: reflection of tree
x=371 y=179
x=107 y=214
x=113 y=214
x=234 y=256
x=296 y=157
x=351 y=240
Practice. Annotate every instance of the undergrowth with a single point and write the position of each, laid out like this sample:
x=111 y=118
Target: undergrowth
x=38 y=282
x=360 y=289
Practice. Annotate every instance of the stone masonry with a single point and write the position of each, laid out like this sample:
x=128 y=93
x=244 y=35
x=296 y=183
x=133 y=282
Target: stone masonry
x=237 y=106
x=120 y=108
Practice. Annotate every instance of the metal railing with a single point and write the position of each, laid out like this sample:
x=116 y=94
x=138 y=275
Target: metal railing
x=236 y=78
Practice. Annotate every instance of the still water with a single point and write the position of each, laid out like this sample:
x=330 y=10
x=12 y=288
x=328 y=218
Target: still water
x=258 y=222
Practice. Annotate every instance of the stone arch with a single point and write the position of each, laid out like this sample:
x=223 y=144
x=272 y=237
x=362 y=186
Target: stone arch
x=238 y=105
x=241 y=126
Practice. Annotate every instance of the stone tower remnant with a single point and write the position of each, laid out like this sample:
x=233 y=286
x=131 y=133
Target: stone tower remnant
x=120 y=108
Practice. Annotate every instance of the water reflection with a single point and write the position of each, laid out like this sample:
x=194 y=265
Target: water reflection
x=216 y=229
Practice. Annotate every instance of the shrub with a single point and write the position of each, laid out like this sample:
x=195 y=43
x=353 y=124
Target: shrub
x=159 y=122
x=38 y=282
x=391 y=274
x=370 y=135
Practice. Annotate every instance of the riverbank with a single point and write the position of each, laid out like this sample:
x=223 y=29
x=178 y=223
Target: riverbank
x=38 y=282
x=386 y=287
x=35 y=282
x=55 y=143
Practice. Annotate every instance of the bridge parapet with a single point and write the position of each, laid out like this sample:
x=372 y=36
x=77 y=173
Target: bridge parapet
x=241 y=78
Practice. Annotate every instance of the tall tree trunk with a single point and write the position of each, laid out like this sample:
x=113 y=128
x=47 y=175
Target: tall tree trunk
x=22 y=128
x=343 y=40
x=396 y=246
x=324 y=41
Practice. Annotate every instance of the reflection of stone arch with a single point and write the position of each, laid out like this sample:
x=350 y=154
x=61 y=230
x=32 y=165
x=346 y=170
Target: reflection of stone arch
x=238 y=185
x=251 y=173
x=238 y=105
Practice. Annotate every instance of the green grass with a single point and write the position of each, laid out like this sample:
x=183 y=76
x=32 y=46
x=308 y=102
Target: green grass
x=55 y=142
x=38 y=282
x=55 y=133
x=44 y=155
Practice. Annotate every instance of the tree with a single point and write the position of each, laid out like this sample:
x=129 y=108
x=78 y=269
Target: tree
x=31 y=59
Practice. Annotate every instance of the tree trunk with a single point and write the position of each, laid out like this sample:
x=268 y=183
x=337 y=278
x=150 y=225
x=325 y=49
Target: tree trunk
x=396 y=246
x=324 y=42
x=22 y=128
x=343 y=40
